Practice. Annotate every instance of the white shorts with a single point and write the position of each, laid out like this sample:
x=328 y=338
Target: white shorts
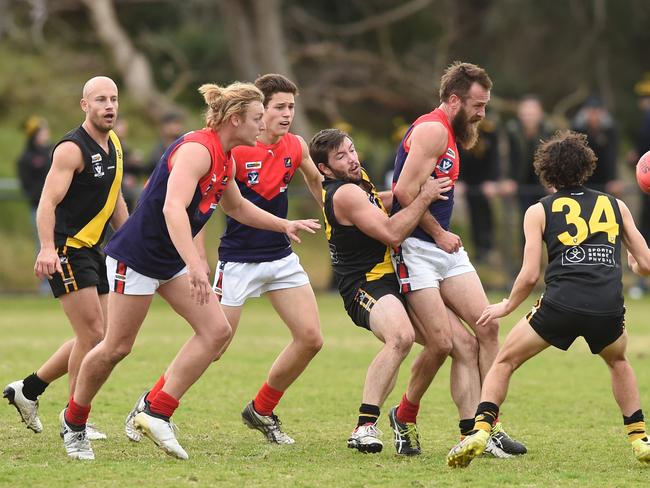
x=422 y=264
x=127 y=281
x=236 y=282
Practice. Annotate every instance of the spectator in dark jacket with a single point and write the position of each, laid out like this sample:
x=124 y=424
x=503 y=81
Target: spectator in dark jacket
x=594 y=120
x=33 y=165
x=34 y=162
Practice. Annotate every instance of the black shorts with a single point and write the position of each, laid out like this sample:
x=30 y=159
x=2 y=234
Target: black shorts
x=82 y=267
x=560 y=328
x=360 y=299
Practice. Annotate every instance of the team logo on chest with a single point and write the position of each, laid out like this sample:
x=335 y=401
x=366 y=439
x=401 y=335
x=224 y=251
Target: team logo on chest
x=445 y=165
x=287 y=162
x=98 y=167
x=253 y=178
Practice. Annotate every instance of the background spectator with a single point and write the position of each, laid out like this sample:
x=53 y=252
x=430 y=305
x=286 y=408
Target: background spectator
x=594 y=120
x=33 y=165
x=479 y=170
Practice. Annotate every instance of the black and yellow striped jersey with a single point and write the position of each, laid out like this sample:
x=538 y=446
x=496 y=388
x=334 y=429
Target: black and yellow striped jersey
x=583 y=240
x=356 y=257
x=84 y=212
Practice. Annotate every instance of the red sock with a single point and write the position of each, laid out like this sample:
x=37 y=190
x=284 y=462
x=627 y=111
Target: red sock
x=163 y=404
x=267 y=399
x=76 y=414
x=156 y=388
x=407 y=412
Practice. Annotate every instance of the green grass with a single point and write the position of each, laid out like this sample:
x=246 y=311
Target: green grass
x=560 y=405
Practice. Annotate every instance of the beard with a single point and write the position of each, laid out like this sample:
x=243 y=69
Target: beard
x=465 y=130
x=345 y=176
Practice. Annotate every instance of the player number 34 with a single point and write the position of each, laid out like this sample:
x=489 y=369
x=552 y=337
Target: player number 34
x=602 y=219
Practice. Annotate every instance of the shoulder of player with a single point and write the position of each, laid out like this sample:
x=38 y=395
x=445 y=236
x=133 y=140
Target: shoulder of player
x=192 y=154
x=68 y=155
x=349 y=194
x=431 y=135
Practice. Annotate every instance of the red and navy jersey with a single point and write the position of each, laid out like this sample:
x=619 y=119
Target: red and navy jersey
x=143 y=242
x=448 y=165
x=263 y=174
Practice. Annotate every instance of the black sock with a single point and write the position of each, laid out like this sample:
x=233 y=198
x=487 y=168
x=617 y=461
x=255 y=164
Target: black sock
x=635 y=426
x=33 y=387
x=368 y=414
x=466 y=426
x=486 y=414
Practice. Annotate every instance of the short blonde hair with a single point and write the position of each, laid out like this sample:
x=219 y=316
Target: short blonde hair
x=224 y=102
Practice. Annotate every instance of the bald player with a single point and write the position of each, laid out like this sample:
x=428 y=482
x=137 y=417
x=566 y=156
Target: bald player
x=80 y=198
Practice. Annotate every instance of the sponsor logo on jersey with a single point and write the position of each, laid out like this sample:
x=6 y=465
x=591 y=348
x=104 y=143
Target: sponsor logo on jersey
x=254 y=165
x=95 y=158
x=445 y=165
x=224 y=180
x=287 y=162
x=98 y=169
x=253 y=178
x=451 y=153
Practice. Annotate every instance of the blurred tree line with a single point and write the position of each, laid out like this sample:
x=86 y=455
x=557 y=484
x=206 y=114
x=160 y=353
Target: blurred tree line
x=363 y=62
x=369 y=66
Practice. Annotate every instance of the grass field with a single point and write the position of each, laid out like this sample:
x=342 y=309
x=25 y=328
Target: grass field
x=560 y=405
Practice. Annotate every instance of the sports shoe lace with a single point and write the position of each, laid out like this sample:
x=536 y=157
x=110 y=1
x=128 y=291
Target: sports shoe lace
x=411 y=433
x=497 y=428
x=276 y=429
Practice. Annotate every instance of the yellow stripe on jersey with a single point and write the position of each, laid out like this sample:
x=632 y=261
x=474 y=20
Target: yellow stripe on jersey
x=385 y=266
x=328 y=227
x=381 y=269
x=89 y=235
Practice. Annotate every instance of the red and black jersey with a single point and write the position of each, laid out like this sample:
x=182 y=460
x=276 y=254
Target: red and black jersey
x=448 y=164
x=143 y=242
x=263 y=175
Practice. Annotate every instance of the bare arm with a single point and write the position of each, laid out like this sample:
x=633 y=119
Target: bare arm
x=386 y=199
x=313 y=177
x=427 y=143
x=240 y=209
x=352 y=207
x=66 y=161
x=638 y=254
x=534 y=222
x=121 y=212
x=190 y=163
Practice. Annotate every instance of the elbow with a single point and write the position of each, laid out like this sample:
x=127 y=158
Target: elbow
x=643 y=267
x=394 y=243
x=400 y=195
x=530 y=279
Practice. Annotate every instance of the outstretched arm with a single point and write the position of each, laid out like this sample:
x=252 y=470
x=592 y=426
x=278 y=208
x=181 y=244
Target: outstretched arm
x=240 y=209
x=534 y=222
x=313 y=177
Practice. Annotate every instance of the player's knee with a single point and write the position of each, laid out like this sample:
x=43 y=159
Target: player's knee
x=119 y=352
x=466 y=346
x=488 y=333
x=90 y=337
x=218 y=336
x=311 y=340
x=401 y=341
x=439 y=348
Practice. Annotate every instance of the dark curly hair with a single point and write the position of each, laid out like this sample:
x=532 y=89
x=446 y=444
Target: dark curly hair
x=565 y=160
